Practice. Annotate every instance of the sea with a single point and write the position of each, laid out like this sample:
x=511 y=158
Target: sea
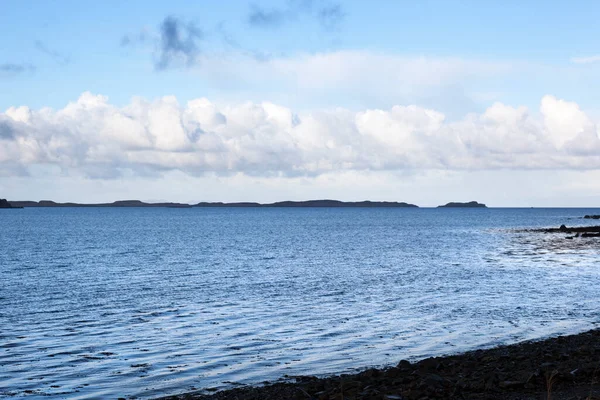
x=102 y=303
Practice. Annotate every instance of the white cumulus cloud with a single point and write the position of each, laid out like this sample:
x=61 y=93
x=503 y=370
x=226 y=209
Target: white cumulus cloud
x=96 y=138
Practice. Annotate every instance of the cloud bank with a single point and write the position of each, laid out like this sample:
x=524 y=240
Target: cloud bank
x=93 y=137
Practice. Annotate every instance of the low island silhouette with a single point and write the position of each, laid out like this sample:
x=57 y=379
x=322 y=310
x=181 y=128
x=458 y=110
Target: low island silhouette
x=138 y=203
x=313 y=203
x=120 y=203
x=470 y=204
x=324 y=203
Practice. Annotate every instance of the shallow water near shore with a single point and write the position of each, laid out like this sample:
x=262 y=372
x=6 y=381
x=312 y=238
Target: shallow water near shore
x=104 y=303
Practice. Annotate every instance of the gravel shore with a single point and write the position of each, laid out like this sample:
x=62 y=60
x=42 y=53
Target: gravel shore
x=560 y=368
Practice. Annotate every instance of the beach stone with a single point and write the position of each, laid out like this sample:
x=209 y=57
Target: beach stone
x=370 y=373
x=415 y=394
x=435 y=381
x=428 y=364
x=547 y=366
x=510 y=384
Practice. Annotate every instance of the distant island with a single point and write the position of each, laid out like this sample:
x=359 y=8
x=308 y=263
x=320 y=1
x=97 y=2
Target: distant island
x=5 y=204
x=314 y=203
x=470 y=204
x=138 y=203
x=120 y=203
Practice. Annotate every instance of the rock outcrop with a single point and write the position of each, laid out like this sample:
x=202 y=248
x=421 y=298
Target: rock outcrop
x=592 y=217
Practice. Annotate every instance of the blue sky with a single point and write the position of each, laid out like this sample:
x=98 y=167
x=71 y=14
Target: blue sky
x=310 y=57
x=86 y=40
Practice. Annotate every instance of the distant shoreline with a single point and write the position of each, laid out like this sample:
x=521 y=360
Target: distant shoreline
x=287 y=204
x=279 y=204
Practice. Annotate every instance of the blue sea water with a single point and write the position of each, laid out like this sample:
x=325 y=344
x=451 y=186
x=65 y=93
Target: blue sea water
x=113 y=302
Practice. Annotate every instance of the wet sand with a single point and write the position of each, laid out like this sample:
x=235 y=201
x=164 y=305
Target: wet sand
x=560 y=368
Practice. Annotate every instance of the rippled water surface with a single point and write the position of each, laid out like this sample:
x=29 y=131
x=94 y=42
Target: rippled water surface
x=104 y=303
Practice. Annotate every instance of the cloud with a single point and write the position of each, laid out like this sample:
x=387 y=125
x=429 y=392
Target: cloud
x=178 y=42
x=586 y=60
x=134 y=39
x=355 y=79
x=15 y=69
x=96 y=138
x=260 y=17
x=6 y=131
x=352 y=78
x=329 y=15
x=563 y=120
x=57 y=56
x=175 y=44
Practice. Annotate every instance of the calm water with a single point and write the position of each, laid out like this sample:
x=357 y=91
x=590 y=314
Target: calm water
x=101 y=303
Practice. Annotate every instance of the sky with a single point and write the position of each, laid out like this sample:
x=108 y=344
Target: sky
x=419 y=101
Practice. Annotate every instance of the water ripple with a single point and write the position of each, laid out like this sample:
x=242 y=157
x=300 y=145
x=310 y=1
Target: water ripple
x=99 y=303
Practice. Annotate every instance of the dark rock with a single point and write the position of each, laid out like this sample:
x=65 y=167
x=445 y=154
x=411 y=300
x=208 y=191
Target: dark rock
x=588 y=235
x=370 y=373
x=577 y=230
x=592 y=217
x=511 y=384
x=436 y=381
x=428 y=364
